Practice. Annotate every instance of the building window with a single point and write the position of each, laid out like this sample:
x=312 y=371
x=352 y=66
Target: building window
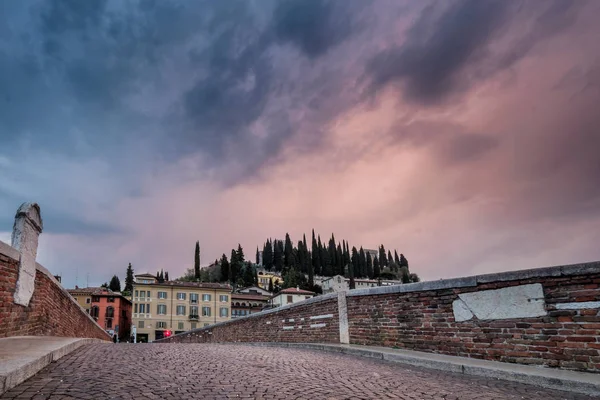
x=224 y=312
x=88 y=300
x=180 y=325
x=339 y=279
x=161 y=324
x=108 y=323
x=111 y=299
x=135 y=308
x=206 y=311
x=194 y=298
x=162 y=295
x=307 y=297
x=180 y=310
x=143 y=294
x=148 y=294
x=223 y=298
x=95 y=299
x=206 y=297
x=136 y=293
x=194 y=311
x=180 y=296
x=290 y=299
x=95 y=311
x=143 y=309
x=161 y=309
x=194 y=325
x=110 y=312
x=141 y=324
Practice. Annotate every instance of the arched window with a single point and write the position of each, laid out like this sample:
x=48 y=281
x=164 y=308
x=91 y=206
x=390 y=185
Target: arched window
x=94 y=312
x=110 y=312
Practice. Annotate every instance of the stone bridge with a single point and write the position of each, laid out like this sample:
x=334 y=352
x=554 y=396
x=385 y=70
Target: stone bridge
x=532 y=334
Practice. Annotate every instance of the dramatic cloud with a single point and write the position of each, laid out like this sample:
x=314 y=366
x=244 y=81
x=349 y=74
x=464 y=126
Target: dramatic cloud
x=463 y=133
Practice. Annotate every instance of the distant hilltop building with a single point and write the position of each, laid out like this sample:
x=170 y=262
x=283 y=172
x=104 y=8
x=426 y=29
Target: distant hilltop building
x=339 y=283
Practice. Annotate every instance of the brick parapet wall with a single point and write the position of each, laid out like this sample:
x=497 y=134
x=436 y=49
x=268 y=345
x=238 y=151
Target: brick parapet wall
x=311 y=321
x=420 y=316
x=51 y=311
x=423 y=319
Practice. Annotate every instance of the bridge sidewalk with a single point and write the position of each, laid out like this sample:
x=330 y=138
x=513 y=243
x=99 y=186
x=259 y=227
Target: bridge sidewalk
x=573 y=381
x=21 y=357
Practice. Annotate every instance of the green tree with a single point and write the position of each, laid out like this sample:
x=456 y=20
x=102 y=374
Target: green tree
x=197 y=260
x=240 y=254
x=233 y=264
x=270 y=285
x=129 y=280
x=224 y=268
x=362 y=262
x=396 y=259
x=161 y=276
x=315 y=255
x=339 y=260
x=382 y=257
x=369 y=266
x=115 y=284
x=257 y=256
x=167 y=276
x=268 y=255
x=104 y=285
x=319 y=269
x=248 y=275
x=287 y=252
x=376 y=270
x=355 y=262
x=278 y=255
x=403 y=261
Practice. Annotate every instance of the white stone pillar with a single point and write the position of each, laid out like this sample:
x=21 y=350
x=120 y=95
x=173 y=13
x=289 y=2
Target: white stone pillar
x=343 y=313
x=26 y=230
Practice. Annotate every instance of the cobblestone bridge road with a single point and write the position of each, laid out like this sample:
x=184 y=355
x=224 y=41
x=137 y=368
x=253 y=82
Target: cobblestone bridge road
x=204 y=371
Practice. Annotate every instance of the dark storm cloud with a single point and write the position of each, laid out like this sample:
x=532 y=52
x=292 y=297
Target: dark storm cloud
x=447 y=55
x=314 y=26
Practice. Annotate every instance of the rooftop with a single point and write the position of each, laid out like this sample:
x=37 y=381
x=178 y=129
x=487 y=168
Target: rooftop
x=294 y=291
x=205 y=285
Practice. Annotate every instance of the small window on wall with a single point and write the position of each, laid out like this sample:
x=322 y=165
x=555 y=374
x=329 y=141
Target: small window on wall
x=194 y=325
x=88 y=300
x=206 y=311
x=206 y=297
x=290 y=299
x=180 y=325
x=161 y=324
x=223 y=312
x=162 y=295
x=180 y=296
x=140 y=324
x=223 y=298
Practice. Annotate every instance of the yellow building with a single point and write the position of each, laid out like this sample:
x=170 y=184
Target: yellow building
x=164 y=309
x=265 y=277
x=83 y=296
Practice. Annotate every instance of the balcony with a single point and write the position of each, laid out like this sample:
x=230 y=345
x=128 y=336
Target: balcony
x=194 y=317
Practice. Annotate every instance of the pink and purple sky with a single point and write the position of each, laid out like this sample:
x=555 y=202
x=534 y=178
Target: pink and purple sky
x=465 y=134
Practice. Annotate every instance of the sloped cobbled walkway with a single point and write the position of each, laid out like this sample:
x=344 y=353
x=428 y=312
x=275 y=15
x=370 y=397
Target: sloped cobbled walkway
x=235 y=371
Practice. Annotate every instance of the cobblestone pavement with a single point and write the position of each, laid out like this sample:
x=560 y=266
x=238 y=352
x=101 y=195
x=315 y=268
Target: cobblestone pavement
x=233 y=371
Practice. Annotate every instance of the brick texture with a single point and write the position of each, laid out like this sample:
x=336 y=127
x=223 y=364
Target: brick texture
x=51 y=311
x=270 y=327
x=424 y=321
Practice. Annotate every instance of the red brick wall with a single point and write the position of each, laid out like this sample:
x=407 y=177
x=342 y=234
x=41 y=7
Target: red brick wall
x=269 y=326
x=51 y=311
x=424 y=321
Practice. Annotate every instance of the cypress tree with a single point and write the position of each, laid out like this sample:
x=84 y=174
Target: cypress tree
x=390 y=258
x=339 y=260
x=319 y=269
x=325 y=262
x=233 y=267
x=225 y=268
x=167 y=276
x=332 y=256
x=129 y=279
x=197 y=261
x=248 y=275
x=403 y=261
x=362 y=260
x=278 y=255
x=369 y=266
x=347 y=255
x=382 y=257
x=355 y=262
x=396 y=259
x=268 y=255
x=115 y=284
x=257 y=256
x=270 y=285
x=240 y=254
x=376 y=269
x=161 y=277
x=315 y=254
x=287 y=252
x=352 y=283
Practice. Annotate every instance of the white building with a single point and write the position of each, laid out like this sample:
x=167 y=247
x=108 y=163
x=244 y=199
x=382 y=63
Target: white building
x=339 y=283
x=290 y=296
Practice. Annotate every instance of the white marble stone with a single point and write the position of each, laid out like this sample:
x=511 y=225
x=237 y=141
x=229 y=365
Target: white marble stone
x=524 y=301
x=26 y=231
x=343 y=318
x=582 y=305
